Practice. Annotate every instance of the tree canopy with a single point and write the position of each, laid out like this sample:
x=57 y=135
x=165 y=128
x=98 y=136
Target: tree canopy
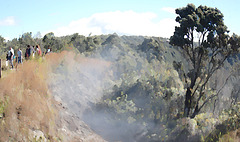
x=204 y=38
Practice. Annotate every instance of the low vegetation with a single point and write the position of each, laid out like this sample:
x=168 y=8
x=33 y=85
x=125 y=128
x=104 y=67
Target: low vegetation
x=129 y=88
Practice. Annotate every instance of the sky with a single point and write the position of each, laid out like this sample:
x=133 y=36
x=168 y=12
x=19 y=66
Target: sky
x=96 y=17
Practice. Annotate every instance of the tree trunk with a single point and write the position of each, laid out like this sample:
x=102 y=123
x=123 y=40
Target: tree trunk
x=196 y=111
x=188 y=96
x=188 y=102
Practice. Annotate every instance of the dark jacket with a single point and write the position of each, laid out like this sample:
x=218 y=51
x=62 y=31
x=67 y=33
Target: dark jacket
x=9 y=55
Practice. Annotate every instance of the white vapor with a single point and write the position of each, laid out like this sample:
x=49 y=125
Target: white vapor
x=122 y=23
x=8 y=21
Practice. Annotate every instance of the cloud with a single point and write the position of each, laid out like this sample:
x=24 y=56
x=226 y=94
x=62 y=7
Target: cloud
x=169 y=9
x=122 y=23
x=8 y=21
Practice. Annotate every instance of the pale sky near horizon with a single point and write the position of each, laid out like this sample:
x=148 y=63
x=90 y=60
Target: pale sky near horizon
x=124 y=17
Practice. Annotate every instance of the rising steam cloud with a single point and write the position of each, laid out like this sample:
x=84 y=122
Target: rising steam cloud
x=80 y=82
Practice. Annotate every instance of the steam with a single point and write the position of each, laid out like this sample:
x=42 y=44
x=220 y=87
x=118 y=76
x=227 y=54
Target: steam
x=111 y=129
x=79 y=82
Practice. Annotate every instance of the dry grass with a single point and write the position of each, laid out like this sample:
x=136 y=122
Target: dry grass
x=29 y=104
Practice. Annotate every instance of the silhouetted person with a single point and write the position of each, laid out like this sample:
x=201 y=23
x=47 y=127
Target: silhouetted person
x=10 y=56
x=27 y=53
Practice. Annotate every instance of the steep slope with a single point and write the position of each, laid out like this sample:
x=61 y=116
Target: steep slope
x=28 y=111
x=82 y=81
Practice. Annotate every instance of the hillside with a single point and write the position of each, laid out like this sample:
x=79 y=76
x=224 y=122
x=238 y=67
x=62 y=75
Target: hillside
x=114 y=88
x=30 y=113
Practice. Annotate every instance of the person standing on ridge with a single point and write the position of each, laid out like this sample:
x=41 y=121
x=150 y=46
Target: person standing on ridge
x=38 y=50
x=19 y=53
x=31 y=51
x=12 y=50
x=27 y=53
x=48 y=50
x=10 y=56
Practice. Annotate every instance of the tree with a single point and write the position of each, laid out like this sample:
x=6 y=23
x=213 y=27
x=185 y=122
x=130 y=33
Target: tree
x=26 y=39
x=203 y=37
x=53 y=42
x=48 y=39
x=2 y=45
x=2 y=41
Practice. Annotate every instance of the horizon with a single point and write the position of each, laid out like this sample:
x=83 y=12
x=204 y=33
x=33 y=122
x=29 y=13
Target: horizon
x=145 y=18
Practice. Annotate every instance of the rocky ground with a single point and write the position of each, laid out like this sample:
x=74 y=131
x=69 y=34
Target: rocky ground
x=72 y=128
